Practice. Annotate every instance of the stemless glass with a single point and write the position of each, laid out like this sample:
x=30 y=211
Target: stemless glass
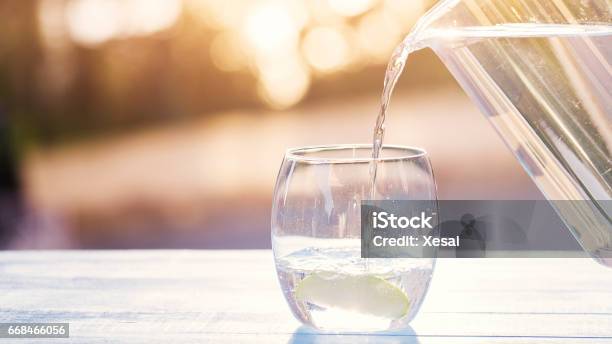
x=316 y=237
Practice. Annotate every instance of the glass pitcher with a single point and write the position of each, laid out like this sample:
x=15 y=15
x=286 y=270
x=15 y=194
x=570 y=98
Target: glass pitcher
x=541 y=72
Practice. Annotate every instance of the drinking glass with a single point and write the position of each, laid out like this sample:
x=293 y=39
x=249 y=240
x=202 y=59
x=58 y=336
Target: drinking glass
x=316 y=236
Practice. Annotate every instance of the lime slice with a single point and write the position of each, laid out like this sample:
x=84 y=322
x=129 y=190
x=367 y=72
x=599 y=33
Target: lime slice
x=364 y=294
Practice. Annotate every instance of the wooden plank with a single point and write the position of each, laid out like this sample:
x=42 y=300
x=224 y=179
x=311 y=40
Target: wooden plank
x=229 y=296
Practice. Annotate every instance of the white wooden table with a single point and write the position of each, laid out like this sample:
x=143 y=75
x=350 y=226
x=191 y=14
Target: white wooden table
x=233 y=296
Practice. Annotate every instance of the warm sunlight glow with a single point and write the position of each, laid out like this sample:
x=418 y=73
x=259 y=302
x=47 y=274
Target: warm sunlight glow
x=284 y=82
x=270 y=29
x=378 y=33
x=227 y=53
x=148 y=16
x=351 y=8
x=326 y=49
x=92 y=22
x=278 y=39
x=220 y=15
x=51 y=22
x=282 y=43
x=405 y=12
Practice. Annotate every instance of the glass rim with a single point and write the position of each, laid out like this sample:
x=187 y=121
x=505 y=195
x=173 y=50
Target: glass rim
x=308 y=153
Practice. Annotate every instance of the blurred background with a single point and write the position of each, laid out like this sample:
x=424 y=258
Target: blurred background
x=162 y=123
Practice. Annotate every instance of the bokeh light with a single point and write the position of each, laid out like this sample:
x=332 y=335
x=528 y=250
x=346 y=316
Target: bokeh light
x=220 y=15
x=326 y=49
x=227 y=53
x=378 y=33
x=405 y=12
x=50 y=15
x=270 y=30
x=92 y=22
x=268 y=39
x=283 y=82
x=147 y=16
x=350 y=8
